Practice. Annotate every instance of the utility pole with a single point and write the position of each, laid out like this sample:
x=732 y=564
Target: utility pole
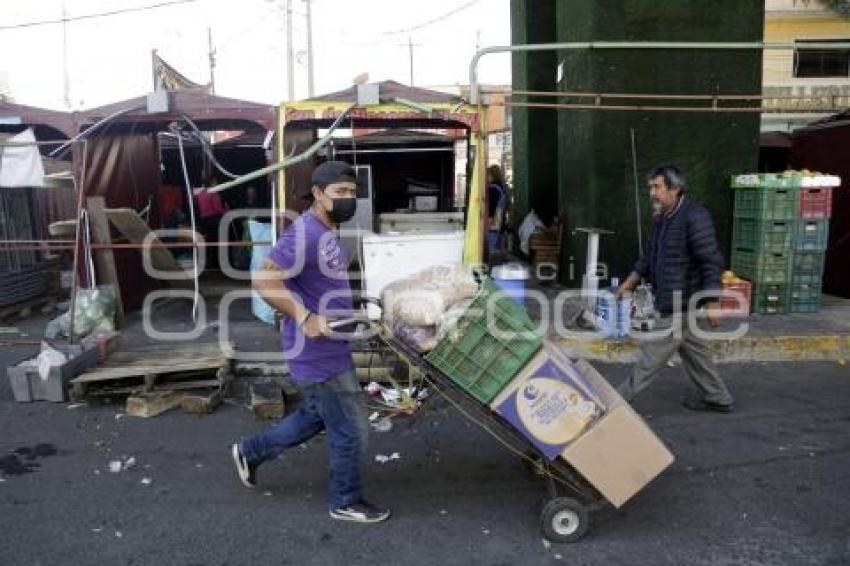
x=410 y=45
x=66 y=81
x=211 y=54
x=310 y=84
x=290 y=53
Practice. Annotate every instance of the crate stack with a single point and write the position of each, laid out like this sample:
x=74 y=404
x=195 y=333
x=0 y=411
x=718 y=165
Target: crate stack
x=811 y=234
x=779 y=237
x=763 y=229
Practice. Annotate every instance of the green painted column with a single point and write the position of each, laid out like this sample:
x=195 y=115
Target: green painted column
x=595 y=175
x=534 y=131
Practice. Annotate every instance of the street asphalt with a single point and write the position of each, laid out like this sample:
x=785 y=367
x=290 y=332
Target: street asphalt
x=768 y=484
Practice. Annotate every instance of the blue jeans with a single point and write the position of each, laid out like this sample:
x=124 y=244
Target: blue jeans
x=334 y=405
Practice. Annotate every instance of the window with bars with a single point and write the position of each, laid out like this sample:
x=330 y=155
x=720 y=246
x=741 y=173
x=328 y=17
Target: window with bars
x=813 y=63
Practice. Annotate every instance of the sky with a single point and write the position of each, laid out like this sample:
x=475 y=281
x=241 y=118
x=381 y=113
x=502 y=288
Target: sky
x=109 y=58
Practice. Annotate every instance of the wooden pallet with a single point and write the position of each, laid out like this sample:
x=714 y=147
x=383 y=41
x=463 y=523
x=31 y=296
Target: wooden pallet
x=160 y=368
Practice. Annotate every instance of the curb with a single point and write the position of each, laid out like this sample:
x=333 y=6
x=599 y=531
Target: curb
x=830 y=347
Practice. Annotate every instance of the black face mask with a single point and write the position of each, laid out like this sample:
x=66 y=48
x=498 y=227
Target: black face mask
x=342 y=209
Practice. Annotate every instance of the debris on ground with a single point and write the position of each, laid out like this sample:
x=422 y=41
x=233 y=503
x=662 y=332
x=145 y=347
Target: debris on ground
x=380 y=424
x=153 y=403
x=117 y=466
x=146 y=481
x=383 y=459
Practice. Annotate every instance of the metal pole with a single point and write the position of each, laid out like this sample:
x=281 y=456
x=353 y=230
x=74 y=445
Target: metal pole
x=410 y=50
x=74 y=278
x=473 y=65
x=637 y=194
x=290 y=54
x=712 y=109
x=211 y=55
x=321 y=142
x=310 y=83
x=66 y=81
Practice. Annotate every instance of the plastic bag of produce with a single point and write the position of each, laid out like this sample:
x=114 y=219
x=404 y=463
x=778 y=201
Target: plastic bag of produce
x=94 y=310
x=421 y=299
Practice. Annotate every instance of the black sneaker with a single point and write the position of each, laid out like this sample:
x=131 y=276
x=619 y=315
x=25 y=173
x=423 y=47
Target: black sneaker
x=360 y=512
x=247 y=472
x=696 y=404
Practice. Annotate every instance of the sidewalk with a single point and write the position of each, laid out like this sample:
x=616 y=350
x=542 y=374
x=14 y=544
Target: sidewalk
x=821 y=336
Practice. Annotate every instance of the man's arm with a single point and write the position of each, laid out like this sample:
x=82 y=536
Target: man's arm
x=640 y=271
x=269 y=283
x=702 y=244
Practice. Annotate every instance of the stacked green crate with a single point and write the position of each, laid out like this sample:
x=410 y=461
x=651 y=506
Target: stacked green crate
x=810 y=240
x=763 y=236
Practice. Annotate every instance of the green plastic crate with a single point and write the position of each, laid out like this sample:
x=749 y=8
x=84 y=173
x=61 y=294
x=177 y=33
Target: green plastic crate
x=771 y=298
x=811 y=235
x=762 y=235
x=806 y=291
x=766 y=203
x=807 y=280
x=483 y=359
x=763 y=267
x=808 y=263
x=806 y=297
x=789 y=180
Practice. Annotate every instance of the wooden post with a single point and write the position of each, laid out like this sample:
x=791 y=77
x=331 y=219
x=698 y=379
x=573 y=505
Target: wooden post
x=103 y=257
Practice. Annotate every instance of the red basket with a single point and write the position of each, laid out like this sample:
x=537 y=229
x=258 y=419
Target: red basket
x=730 y=302
x=815 y=202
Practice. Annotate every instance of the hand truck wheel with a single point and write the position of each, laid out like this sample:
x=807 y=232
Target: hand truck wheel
x=563 y=519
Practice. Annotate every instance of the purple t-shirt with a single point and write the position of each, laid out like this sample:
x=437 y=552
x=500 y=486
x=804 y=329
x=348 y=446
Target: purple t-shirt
x=316 y=270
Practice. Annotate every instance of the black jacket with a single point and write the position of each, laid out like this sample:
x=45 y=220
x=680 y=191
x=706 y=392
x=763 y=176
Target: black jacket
x=682 y=255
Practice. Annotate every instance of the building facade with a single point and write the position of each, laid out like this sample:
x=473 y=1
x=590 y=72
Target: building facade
x=822 y=77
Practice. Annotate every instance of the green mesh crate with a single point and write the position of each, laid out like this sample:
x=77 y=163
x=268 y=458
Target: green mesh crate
x=490 y=343
x=805 y=296
x=811 y=235
x=788 y=180
x=763 y=267
x=771 y=298
x=808 y=280
x=765 y=203
x=762 y=235
x=808 y=263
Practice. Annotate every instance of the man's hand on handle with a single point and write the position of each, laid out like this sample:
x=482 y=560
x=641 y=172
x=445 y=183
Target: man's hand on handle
x=715 y=316
x=629 y=284
x=315 y=326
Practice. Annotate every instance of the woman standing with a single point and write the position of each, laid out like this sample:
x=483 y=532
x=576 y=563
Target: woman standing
x=497 y=207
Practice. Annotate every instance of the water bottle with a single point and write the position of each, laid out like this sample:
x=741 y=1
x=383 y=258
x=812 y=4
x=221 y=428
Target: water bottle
x=606 y=310
x=624 y=316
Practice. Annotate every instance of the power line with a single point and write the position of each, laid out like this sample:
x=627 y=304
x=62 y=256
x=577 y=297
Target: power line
x=438 y=19
x=98 y=15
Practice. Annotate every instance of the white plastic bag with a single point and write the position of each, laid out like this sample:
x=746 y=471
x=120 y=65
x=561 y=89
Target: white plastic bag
x=530 y=224
x=420 y=300
x=48 y=358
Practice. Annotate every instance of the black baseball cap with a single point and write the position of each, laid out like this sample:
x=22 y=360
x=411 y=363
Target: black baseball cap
x=331 y=172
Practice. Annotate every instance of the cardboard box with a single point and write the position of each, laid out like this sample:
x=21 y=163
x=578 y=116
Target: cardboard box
x=615 y=451
x=619 y=455
x=548 y=402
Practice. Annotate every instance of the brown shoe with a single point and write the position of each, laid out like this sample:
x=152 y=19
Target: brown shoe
x=696 y=404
